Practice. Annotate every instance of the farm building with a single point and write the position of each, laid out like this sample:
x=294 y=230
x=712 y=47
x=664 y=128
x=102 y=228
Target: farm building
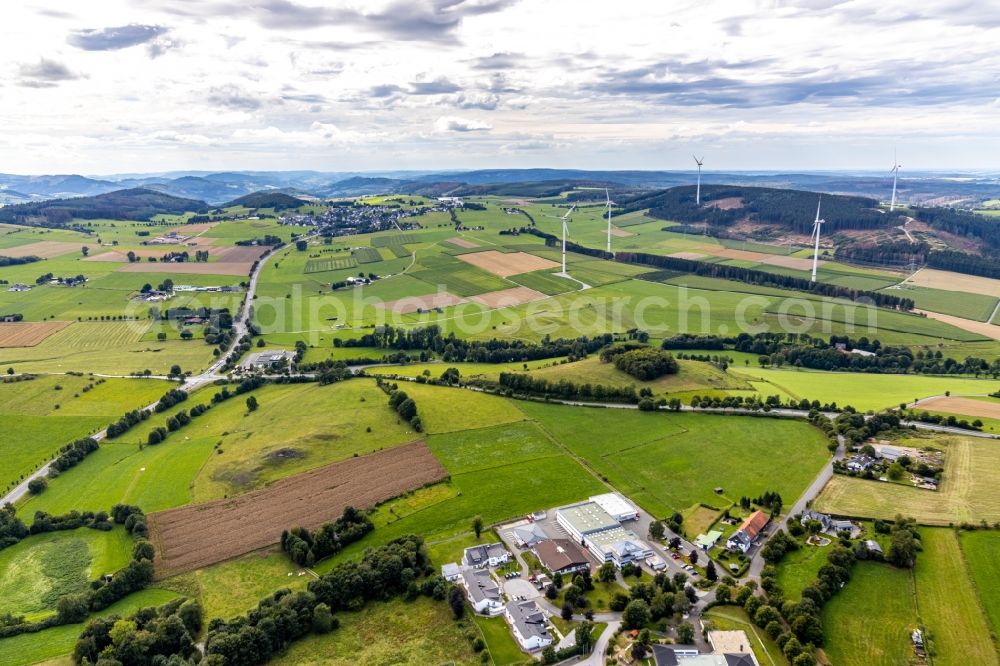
x=264 y=360
x=616 y=506
x=890 y=453
x=528 y=625
x=493 y=555
x=562 y=556
x=482 y=592
x=20 y=287
x=747 y=534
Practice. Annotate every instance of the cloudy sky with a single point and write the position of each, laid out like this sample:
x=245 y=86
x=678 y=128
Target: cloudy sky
x=153 y=85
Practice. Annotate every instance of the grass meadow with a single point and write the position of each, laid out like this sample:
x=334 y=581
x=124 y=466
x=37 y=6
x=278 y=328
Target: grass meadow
x=981 y=551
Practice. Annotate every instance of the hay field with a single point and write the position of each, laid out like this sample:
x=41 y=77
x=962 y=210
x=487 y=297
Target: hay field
x=930 y=277
x=28 y=333
x=506 y=265
x=43 y=249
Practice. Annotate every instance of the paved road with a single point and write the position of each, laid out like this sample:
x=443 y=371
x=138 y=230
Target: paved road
x=209 y=375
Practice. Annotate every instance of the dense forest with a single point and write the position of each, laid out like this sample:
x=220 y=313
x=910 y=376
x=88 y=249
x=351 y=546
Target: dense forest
x=136 y=204
x=791 y=209
x=275 y=200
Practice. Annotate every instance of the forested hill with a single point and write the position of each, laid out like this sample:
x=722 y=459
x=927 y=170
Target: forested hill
x=135 y=204
x=725 y=205
x=265 y=199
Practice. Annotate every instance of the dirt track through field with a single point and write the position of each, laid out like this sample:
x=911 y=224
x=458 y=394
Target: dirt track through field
x=200 y=535
x=966 y=406
x=28 y=333
x=505 y=265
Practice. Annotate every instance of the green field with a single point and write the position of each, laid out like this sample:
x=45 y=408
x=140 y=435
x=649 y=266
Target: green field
x=366 y=255
x=948 y=603
x=39 y=570
x=499 y=642
x=395 y=632
x=981 y=551
x=731 y=618
x=670 y=462
x=28 y=649
x=234 y=587
x=329 y=264
x=292 y=431
x=967 y=305
x=860 y=390
x=38 y=417
x=868 y=623
x=969 y=491
x=798 y=568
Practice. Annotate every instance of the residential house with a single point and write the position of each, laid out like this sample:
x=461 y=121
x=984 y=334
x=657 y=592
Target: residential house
x=747 y=534
x=562 y=556
x=823 y=519
x=492 y=555
x=860 y=463
x=528 y=624
x=687 y=655
x=451 y=572
x=842 y=525
x=482 y=592
x=20 y=287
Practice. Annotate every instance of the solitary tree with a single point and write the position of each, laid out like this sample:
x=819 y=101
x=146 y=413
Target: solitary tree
x=477 y=526
x=685 y=633
x=656 y=530
x=457 y=602
x=607 y=572
x=85 y=250
x=252 y=403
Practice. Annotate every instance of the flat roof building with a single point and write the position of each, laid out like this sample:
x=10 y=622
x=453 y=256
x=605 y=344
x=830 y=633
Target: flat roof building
x=616 y=506
x=584 y=518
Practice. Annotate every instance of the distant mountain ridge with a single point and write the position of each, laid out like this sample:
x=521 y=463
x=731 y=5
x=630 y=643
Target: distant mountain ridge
x=139 y=204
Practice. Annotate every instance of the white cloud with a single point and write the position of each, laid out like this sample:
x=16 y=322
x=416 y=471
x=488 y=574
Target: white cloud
x=455 y=124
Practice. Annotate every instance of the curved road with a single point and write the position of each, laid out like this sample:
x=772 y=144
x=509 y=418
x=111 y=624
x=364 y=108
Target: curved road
x=208 y=376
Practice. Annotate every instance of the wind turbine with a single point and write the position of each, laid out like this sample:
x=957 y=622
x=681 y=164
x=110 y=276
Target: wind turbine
x=697 y=192
x=895 y=173
x=609 y=204
x=565 y=220
x=816 y=227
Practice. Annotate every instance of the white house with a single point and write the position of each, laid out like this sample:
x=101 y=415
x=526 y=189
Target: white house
x=747 y=534
x=451 y=572
x=491 y=554
x=528 y=625
x=482 y=592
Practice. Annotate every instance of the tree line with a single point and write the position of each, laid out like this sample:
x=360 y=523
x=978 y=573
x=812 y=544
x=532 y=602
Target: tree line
x=305 y=547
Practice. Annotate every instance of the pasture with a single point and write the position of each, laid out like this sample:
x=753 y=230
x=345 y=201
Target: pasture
x=393 y=632
x=39 y=570
x=981 y=553
x=969 y=491
x=948 y=603
x=970 y=305
x=670 y=462
x=880 y=635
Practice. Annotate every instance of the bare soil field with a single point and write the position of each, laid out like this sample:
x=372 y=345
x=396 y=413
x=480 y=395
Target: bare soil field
x=189 y=268
x=461 y=242
x=238 y=254
x=796 y=263
x=967 y=406
x=505 y=265
x=695 y=256
x=930 y=277
x=28 y=333
x=415 y=303
x=43 y=249
x=196 y=536
x=620 y=233
x=979 y=327
x=506 y=298
x=196 y=228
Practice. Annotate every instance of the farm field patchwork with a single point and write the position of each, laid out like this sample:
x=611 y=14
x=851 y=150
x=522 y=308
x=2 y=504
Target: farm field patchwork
x=968 y=491
x=508 y=264
x=184 y=536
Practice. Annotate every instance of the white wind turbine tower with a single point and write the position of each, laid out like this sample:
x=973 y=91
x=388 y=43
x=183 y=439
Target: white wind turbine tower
x=816 y=227
x=697 y=192
x=565 y=220
x=609 y=204
x=895 y=174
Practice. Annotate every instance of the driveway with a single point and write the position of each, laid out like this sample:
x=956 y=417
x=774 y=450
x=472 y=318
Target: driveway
x=519 y=587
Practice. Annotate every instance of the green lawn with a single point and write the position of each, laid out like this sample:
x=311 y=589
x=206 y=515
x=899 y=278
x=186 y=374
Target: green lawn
x=500 y=642
x=798 y=569
x=982 y=554
x=948 y=603
x=868 y=623
x=28 y=649
x=445 y=409
x=232 y=588
x=731 y=618
x=39 y=570
x=669 y=462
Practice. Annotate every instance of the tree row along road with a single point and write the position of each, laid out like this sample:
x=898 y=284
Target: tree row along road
x=240 y=327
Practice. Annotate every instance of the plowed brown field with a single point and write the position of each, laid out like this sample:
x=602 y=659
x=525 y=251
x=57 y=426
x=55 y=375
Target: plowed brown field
x=197 y=536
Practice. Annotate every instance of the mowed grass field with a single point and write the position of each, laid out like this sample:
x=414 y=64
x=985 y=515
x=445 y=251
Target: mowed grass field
x=39 y=570
x=40 y=415
x=978 y=307
x=292 y=431
x=670 y=462
x=860 y=390
x=969 y=491
x=949 y=603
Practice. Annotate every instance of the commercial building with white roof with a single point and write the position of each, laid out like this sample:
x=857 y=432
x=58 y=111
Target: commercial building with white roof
x=616 y=506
